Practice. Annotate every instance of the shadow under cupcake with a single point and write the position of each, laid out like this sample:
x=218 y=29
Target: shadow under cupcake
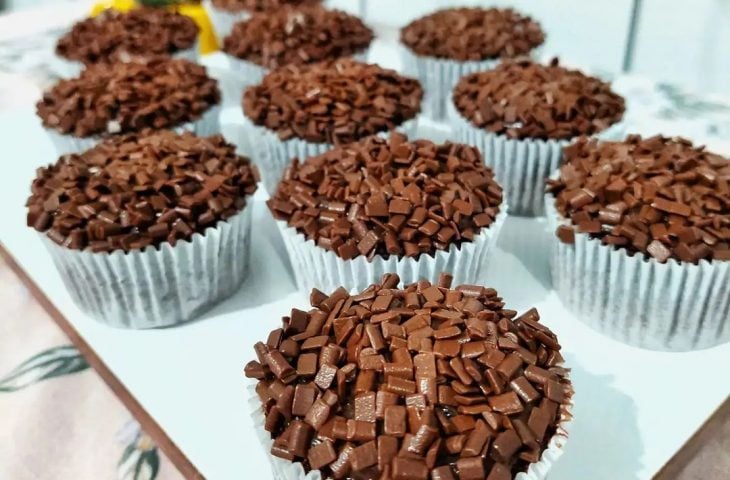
x=641 y=244
x=521 y=114
x=147 y=230
x=383 y=205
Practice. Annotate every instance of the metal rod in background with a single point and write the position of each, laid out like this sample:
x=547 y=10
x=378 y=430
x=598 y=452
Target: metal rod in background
x=631 y=36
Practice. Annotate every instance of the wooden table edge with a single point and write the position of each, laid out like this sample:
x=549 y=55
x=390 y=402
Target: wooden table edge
x=669 y=471
x=148 y=424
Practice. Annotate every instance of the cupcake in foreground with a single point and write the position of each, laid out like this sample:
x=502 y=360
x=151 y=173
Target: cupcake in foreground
x=291 y=36
x=107 y=100
x=642 y=246
x=224 y=14
x=388 y=205
x=424 y=382
x=522 y=114
x=147 y=230
x=442 y=47
x=142 y=33
x=305 y=110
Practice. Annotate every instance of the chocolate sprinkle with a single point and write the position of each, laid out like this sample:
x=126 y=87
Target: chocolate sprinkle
x=140 y=33
x=523 y=99
x=661 y=197
x=402 y=402
x=139 y=190
x=338 y=101
x=259 y=5
x=299 y=36
x=389 y=197
x=472 y=34
x=127 y=97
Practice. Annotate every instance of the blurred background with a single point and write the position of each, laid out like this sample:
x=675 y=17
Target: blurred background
x=686 y=43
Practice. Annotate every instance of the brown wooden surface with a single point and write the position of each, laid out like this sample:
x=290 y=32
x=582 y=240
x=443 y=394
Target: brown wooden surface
x=704 y=456
x=148 y=424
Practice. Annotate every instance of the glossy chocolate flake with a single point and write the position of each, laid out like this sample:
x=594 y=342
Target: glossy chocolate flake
x=472 y=34
x=128 y=97
x=290 y=36
x=139 y=190
x=524 y=99
x=408 y=411
x=389 y=196
x=660 y=197
x=338 y=101
x=113 y=36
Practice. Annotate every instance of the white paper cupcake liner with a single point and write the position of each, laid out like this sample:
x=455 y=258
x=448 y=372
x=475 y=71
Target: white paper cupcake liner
x=316 y=267
x=158 y=287
x=208 y=124
x=669 y=306
x=223 y=20
x=285 y=470
x=273 y=155
x=70 y=69
x=520 y=165
x=438 y=78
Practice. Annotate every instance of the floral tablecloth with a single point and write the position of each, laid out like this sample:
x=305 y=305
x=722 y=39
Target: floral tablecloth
x=60 y=422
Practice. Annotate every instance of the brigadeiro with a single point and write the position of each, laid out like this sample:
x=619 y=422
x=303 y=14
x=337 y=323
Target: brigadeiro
x=224 y=14
x=522 y=114
x=291 y=36
x=381 y=205
x=107 y=100
x=113 y=36
x=642 y=240
x=303 y=110
x=413 y=383
x=442 y=47
x=147 y=229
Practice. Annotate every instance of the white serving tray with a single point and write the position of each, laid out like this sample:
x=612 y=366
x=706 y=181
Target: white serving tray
x=634 y=408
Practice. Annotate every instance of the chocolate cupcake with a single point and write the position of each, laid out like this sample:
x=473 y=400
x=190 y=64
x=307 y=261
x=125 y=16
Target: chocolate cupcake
x=522 y=114
x=424 y=382
x=305 y=110
x=147 y=229
x=642 y=247
x=107 y=100
x=139 y=34
x=442 y=47
x=291 y=36
x=224 y=14
x=388 y=205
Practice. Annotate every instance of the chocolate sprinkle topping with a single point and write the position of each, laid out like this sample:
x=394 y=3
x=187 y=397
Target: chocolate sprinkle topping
x=337 y=101
x=389 y=197
x=297 y=36
x=393 y=383
x=466 y=34
x=126 y=97
x=136 y=190
x=523 y=99
x=115 y=36
x=658 y=196
x=259 y=5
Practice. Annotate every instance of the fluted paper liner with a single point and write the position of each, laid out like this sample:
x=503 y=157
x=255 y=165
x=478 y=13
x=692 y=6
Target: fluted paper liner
x=316 y=267
x=65 y=68
x=438 y=77
x=521 y=166
x=223 y=20
x=273 y=155
x=673 y=306
x=158 y=287
x=208 y=124
x=286 y=470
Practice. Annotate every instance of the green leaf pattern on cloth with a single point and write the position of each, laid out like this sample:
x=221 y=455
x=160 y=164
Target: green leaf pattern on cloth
x=140 y=459
x=51 y=363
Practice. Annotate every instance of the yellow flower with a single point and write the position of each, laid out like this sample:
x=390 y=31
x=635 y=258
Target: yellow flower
x=208 y=42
